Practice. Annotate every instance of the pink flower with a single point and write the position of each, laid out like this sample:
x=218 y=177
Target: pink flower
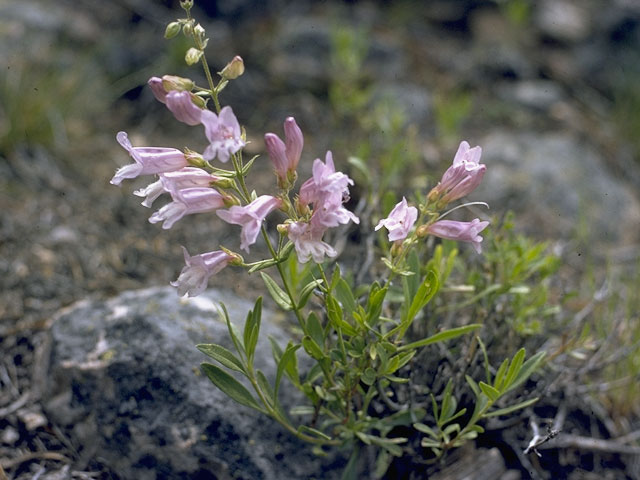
x=399 y=221
x=285 y=155
x=198 y=269
x=186 y=177
x=460 y=231
x=329 y=213
x=308 y=243
x=223 y=132
x=186 y=202
x=148 y=160
x=183 y=108
x=250 y=217
x=324 y=182
x=462 y=177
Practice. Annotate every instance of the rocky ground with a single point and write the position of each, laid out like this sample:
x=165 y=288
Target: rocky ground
x=553 y=100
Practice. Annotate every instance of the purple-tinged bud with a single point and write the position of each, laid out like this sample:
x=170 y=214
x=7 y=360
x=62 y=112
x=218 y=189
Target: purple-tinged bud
x=233 y=69
x=285 y=155
x=460 y=231
x=172 y=30
x=157 y=89
x=294 y=142
x=173 y=82
x=183 y=108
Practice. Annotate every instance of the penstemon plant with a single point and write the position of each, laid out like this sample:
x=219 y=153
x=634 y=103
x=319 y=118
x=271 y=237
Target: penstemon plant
x=355 y=337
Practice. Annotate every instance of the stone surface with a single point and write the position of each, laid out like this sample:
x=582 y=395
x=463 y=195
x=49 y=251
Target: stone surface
x=557 y=185
x=125 y=382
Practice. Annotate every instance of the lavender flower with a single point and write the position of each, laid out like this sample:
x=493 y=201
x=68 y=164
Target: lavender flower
x=223 y=132
x=308 y=242
x=324 y=182
x=198 y=269
x=399 y=221
x=148 y=160
x=460 y=231
x=186 y=177
x=183 y=108
x=186 y=202
x=250 y=217
x=462 y=177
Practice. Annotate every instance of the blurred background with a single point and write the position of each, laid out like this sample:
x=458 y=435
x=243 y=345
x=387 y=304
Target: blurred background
x=550 y=89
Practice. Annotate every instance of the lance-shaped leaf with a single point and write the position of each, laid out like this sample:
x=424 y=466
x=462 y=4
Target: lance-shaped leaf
x=527 y=369
x=425 y=293
x=441 y=336
x=230 y=386
x=286 y=359
x=278 y=295
x=222 y=355
x=252 y=330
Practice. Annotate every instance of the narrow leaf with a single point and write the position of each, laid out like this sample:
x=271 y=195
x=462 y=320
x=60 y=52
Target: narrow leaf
x=497 y=382
x=313 y=431
x=287 y=358
x=514 y=369
x=307 y=290
x=233 y=331
x=527 y=369
x=489 y=391
x=441 y=336
x=222 y=355
x=278 y=295
x=425 y=293
x=512 y=408
x=230 y=386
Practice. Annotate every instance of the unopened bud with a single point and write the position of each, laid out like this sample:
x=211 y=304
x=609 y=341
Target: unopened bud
x=172 y=30
x=237 y=258
x=193 y=56
x=194 y=158
x=173 y=82
x=433 y=195
x=230 y=200
x=396 y=248
x=422 y=231
x=186 y=4
x=188 y=29
x=198 y=31
x=283 y=228
x=225 y=182
x=233 y=69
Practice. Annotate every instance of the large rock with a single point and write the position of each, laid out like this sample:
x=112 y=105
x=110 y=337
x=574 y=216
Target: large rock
x=558 y=185
x=125 y=383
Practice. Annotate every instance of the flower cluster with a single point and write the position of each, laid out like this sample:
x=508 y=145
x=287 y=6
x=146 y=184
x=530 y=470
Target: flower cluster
x=196 y=186
x=460 y=179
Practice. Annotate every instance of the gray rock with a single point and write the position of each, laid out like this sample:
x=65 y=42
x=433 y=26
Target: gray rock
x=557 y=184
x=564 y=20
x=125 y=382
x=535 y=94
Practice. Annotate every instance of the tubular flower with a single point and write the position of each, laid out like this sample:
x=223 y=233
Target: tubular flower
x=330 y=213
x=399 y=221
x=462 y=177
x=148 y=160
x=183 y=108
x=250 y=217
x=460 y=231
x=186 y=202
x=198 y=269
x=223 y=132
x=285 y=156
x=186 y=177
x=157 y=88
x=308 y=242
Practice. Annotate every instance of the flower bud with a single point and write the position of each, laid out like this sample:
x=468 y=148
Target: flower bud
x=396 y=248
x=283 y=228
x=237 y=259
x=172 y=30
x=225 y=182
x=186 y=4
x=422 y=231
x=188 y=29
x=194 y=158
x=198 y=31
x=233 y=69
x=193 y=56
x=173 y=82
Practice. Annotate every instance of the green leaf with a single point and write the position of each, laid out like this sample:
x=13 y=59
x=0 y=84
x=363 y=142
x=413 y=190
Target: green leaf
x=345 y=296
x=307 y=290
x=222 y=355
x=389 y=444
x=313 y=431
x=425 y=293
x=334 y=313
x=514 y=369
x=233 y=331
x=497 y=382
x=312 y=348
x=315 y=330
x=252 y=330
x=441 y=336
x=261 y=265
x=266 y=388
x=368 y=376
x=247 y=166
x=472 y=383
x=288 y=358
x=230 y=386
x=374 y=304
x=489 y=391
x=512 y=408
x=421 y=427
x=278 y=295
x=527 y=369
